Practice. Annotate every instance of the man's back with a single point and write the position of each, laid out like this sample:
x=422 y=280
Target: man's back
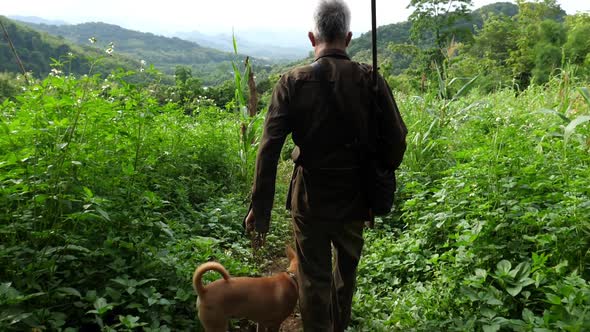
x=330 y=107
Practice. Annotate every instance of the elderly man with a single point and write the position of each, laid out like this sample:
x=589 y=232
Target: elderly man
x=326 y=106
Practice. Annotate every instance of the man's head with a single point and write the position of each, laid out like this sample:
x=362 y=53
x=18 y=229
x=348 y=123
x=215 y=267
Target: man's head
x=331 y=25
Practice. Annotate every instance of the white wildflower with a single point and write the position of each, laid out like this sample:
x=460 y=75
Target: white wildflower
x=92 y=40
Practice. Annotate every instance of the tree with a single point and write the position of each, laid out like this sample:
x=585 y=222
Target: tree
x=577 y=47
x=435 y=28
x=435 y=22
x=529 y=33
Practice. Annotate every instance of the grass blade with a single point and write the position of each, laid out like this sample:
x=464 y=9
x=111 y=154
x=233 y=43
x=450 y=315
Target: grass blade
x=586 y=94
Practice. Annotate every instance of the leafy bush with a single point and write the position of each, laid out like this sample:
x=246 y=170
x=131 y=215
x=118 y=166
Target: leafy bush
x=493 y=227
x=108 y=204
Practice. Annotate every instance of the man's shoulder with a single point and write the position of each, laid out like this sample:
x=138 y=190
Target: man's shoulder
x=301 y=72
x=307 y=71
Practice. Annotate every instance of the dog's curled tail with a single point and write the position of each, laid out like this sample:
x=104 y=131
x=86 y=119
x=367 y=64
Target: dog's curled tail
x=198 y=275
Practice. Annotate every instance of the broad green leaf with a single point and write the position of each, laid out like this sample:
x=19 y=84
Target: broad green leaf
x=5 y=288
x=515 y=290
x=585 y=94
x=489 y=313
x=553 y=299
x=69 y=291
x=528 y=315
x=14 y=319
x=124 y=282
x=493 y=301
x=521 y=271
x=491 y=328
x=101 y=306
x=88 y=192
x=569 y=130
x=74 y=247
x=103 y=213
x=166 y=229
x=481 y=273
x=503 y=267
x=554 y=112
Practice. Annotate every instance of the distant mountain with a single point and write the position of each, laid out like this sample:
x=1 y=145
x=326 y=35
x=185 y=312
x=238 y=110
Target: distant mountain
x=265 y=49
x=36 y=49
x=212 y=65
x=36 y=20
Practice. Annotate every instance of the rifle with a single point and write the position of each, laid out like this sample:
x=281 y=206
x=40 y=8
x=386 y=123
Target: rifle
x=381 y=179
x=374 y=39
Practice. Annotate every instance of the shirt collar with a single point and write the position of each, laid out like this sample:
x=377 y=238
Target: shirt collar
x=333 y=53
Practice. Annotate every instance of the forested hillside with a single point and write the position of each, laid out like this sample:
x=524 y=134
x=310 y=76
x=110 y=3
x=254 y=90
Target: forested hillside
x=211 y=65
x=400 y=33
x=36 y=50
x=114 y=188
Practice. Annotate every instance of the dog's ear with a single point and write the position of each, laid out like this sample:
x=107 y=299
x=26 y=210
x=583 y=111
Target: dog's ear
x=290 y=253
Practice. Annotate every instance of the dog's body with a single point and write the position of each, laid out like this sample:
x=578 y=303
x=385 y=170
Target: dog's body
x=267 y=300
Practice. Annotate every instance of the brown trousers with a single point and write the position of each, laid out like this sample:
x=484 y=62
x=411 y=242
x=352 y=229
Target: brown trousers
x=326 y=283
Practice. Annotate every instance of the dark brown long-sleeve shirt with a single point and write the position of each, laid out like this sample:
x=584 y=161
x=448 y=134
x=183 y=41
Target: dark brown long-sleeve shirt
x=326 y=107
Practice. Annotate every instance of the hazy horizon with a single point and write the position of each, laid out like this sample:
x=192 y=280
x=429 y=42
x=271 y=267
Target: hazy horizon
x=220 y=16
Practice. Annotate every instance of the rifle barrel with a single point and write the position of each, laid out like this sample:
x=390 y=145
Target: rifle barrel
x=374 y=35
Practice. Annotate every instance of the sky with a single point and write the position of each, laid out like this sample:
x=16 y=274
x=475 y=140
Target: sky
x=218 y=16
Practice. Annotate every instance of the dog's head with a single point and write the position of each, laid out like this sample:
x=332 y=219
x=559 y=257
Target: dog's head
x=293 y=262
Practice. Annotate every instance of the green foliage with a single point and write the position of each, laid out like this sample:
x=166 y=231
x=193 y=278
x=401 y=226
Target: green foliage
x=112 y=192
x=108 y=202
x=8 y=86
x=434 y=22
x=492 y=229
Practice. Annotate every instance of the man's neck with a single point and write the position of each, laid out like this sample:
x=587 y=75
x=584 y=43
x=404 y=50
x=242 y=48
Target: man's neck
x=328 y=46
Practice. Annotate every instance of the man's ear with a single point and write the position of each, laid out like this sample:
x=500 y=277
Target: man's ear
x=311 y=38
x=348 y=38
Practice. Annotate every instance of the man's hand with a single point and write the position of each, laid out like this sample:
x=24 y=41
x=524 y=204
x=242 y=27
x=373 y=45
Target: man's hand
x=250 y=222
x=371 y=222
x=257 y=239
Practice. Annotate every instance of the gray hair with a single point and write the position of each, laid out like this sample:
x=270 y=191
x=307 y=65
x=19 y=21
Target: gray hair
x=332 y=20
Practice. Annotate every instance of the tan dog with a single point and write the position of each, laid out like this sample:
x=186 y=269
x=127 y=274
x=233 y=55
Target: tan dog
x=267 y=301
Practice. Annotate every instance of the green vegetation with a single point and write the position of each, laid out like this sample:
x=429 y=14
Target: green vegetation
x=113 y=188
x=492 y=229
x=108 y=203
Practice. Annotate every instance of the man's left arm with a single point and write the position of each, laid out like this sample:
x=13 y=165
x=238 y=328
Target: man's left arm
x=277 y=126
x=392 y=126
